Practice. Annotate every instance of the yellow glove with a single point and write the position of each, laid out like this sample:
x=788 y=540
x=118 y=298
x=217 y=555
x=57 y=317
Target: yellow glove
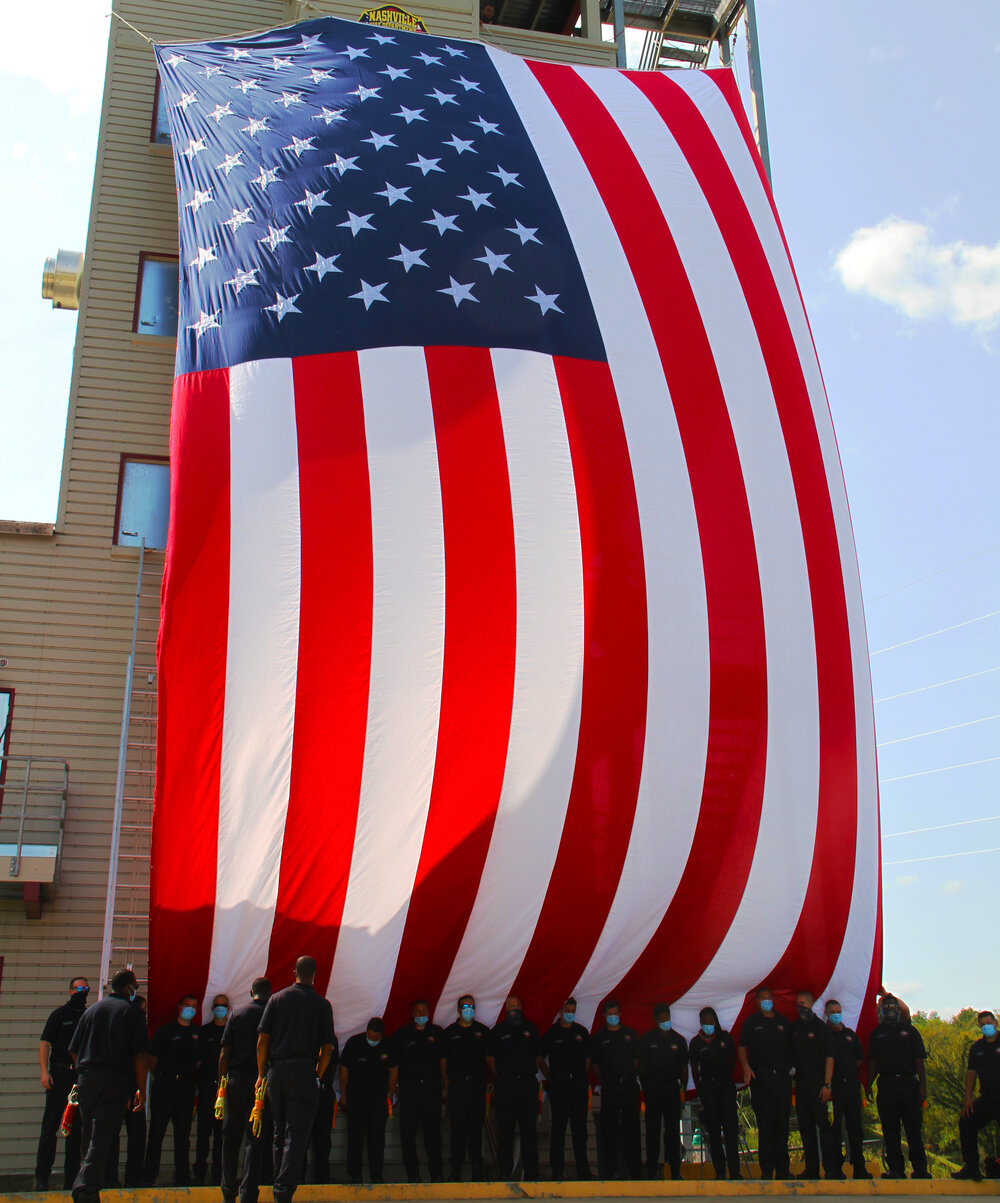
x=220 y=1098
x=257 y=1115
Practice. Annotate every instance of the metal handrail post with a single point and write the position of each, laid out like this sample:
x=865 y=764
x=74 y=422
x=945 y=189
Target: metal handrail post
x=757 y=88
x=15 y=862
x=116 y=822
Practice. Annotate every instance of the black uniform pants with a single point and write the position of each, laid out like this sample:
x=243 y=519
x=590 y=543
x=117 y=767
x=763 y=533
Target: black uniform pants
x=663 y=1115
x=135 y=1150
x=619 y=1138
x=771 y=1096
x=236 y=1128
x=568 y=1101
x=466 y=1113
x=847 y=1114
x=171 y=1102
x=105 y=1096
x=294 y=1095
x=899 y=1103
x=366 y=1126
x=516 y=1102
x=209 y=1136
x=721 y=1126
x=322 y=1134
x=63 y=1078
x=814 y=1125
x=420 y=1109
x=984 y=1110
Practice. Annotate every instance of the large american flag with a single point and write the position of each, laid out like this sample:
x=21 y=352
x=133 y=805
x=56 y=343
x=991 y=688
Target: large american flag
x=512 y=633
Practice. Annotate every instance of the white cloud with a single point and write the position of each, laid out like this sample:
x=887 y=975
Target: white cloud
x=897 y=262
x=951 y=887
x=71 y=60
x=18 y=150
x=908 y=880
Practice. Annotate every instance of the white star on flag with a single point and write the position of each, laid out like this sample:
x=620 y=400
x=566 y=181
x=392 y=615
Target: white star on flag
x=459 y=292
x=194 y=147
x=309 y=41
x=175 y=59
x=442 y=98
x=363 y=93
x=395 y=73
x=545 y=301
x=327 y=115
x=442 y=223
x=279 y=64
x=222 y=110
x=357 y=223
x=283 y=305
x=353 y=52
x=452 y=51
x=274 y=237
x=459 y=144
x=494 y=262
x=409 y=258
x=257 y=126
x=383 y=39
x=393 y=194
x=380 y=140
x=426 y=165
x=200 y=198
x=506 y=177
x=468 y=84
x=428 y=58
x=246 y=85
x=186 y=99
x=298 y=146
x=244 y=278
x=237 y=53
x=313 y=200
x=409 y=115
x=318 y=76
x=289 y=98
x=207 y=321
x=340 y=164
x=206 y=254
x=488 y=127
x=323 y=265
x=209 y=70
x=370 y=293
x=477 y=199
x=240 y=217
x=267 y=176
x=524 y=233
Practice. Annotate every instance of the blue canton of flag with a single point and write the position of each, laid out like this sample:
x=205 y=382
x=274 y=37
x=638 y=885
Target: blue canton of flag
x=343 y=188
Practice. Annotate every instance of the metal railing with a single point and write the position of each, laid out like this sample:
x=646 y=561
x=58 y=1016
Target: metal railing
x=33 y=810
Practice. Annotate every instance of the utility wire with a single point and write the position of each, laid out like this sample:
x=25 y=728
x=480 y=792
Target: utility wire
x=947 y=769
x=937 y=572
x=937 y=685
x=914 y=860
x=937 y=731
x=930 y=634
x=941 y=826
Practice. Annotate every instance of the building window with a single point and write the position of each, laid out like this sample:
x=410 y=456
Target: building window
x=143 y=502
x=156 y=296
x=159 y=132
x=6 y=713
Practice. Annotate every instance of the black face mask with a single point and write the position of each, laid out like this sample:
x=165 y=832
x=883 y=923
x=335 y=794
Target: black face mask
x=515 y=1018
x=78 y=1000
x=805 y=1012
x=891 y=1016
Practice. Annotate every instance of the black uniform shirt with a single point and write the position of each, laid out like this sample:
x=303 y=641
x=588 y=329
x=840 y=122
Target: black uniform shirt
x=240 y=1037
x=299 y=1022
x=567 y=1050
x=663 y=1056
x=367 y=1068
x=812 y=1043
x=713 y=1061
x=614 y=1052
x=418 y=1053
x=465 y=1049
x=847 y=1052
x=177 y=1050
x=210 y=1035
x=897 y=1048
x=767 y=1040
x=516 y=1049
x=110 y=1035
x=58 y=1032
x=984 y=1058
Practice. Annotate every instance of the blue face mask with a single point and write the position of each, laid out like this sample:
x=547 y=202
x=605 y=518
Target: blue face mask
x=220 y=1012
x=569 y=1017
x=708 y=1028
x=187 y=1013
x=372 y=1043
x=766 y=1004
x=836 y=1018
x=468 y=1012
x=612 y=1020
x=989 y=1029
x=665 y=1025
x=131 y=995
x=420 y=1020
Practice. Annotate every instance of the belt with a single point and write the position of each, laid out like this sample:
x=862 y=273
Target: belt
x=910 y=1076
x=466 y=1078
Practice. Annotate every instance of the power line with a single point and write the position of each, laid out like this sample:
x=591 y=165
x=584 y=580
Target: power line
x=931 y=634
x=937 y=684
x=965 y=764
x=941 y=826
x=937 y=572
x=937 y=731
x=914 y=860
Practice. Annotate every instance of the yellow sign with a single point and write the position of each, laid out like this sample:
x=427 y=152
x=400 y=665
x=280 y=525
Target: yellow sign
x=391 y=16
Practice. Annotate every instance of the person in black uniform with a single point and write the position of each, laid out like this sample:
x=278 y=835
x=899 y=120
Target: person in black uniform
x=58 y=1077
x=812 y=1052
x=418 y=1048
x=293 y=1050
x=765 y=1053
x=984 y=1064
x=321 y=1138
x=848 y=1057
x=713 y=1059
x=516 y=1056
x=614 y=1051
x=175 y=1061
x=896 y=1057
x=463 y=1074
x=238 y=1059
x=209 y=1128
x=367 y=1081
x=663 y=1068
x=109 y=1049
x=567 y=1055
x=135 y=1132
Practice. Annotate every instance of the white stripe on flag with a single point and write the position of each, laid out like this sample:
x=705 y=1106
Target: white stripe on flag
x=261 y=666
x=548 y=679
x=787 y=832
x=676 y=737
x=851 y=974
x=406 y=667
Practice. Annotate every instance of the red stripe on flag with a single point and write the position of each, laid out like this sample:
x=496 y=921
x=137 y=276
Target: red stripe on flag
x=191 y=684
x=718 y=864
x=612 y=732
x=477 y=687
x=812 y=953
x=334 y=662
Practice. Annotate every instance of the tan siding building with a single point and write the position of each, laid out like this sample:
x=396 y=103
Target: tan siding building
x=68 y=592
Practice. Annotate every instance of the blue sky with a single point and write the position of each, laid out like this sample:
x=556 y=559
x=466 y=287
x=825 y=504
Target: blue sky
x=886 y=173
